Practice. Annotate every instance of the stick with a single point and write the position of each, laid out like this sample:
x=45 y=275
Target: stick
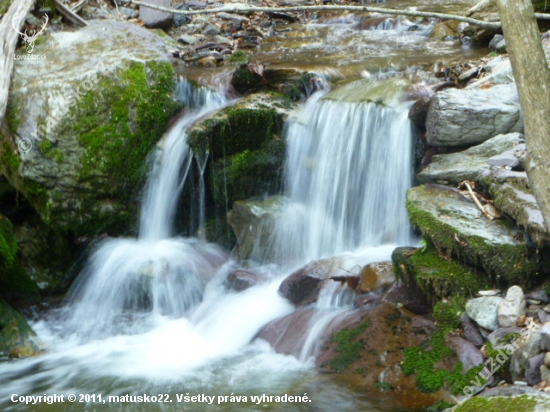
x=477 y=202
x=236 y=8
x=69 y=14
x=8 y=36
x=479 y=6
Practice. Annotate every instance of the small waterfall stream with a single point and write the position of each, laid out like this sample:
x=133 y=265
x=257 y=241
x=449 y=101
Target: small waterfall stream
x=153 y=314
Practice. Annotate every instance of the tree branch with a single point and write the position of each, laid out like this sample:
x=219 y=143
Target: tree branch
x=238 y=8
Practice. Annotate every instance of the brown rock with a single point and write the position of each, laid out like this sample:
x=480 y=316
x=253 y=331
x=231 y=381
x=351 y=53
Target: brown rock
x=376 y=276
x=240 y=280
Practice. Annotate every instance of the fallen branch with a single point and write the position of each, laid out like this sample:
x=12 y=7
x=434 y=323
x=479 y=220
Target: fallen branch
x=69 y=14
x=479 y=6
x=477 y=202
x=238 y=8
x=8 y=36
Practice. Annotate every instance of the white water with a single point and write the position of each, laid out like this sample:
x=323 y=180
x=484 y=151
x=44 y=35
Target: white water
x=152 y=314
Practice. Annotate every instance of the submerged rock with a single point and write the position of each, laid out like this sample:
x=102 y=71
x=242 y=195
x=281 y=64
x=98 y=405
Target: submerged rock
x=460 y=117
x=240 y=280
x=85 y=123
x=457 y=228
x=470 y=164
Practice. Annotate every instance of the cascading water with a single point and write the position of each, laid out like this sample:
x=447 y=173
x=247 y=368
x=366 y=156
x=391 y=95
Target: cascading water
x=153 y=315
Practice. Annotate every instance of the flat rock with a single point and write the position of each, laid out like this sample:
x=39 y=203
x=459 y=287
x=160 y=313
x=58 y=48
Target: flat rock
x=484 y=311
x=468 y=354
x=454 y=224
x=470 y=331
x=453 y=168
x=463 y=117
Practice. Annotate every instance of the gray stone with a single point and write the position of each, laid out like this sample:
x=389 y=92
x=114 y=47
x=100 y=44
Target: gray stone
x=500 y=72
x=469 y=164
x=484 y=311
x=156 y=18
x=545 y=337
x=467 y=353
x=211 y=30
x=470 y=331
x=463 y=117
x=499 y=339
x=498 y=43
x=188 y=39
x=543 y=316
x=528 y=346
x=512 y=307
x=128 y=12
x=490 y=292
x=532 y=371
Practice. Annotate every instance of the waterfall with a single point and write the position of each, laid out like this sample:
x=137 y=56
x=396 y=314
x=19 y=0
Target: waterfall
x=347 y=171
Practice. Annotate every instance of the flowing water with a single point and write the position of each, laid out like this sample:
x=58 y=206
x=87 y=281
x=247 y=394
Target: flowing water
x=152 y=315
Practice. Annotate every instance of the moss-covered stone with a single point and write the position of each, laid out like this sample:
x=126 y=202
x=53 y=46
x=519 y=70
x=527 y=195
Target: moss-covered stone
x=92 y=118
x=17 y=339
x=524 y=403
x=458 y=229
x=447 y=313
x=348 y=346
x=437 y=277
x=245 y=148
x=15 y=283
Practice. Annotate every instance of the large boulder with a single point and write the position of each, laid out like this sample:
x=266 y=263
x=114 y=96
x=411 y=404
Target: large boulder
x=456 y=227
x=453 y=168
x=463 y=117
x=80 y=126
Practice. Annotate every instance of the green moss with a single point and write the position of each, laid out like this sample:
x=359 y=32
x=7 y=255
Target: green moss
x=383 y=386
x=348 y=347
x=438 y=277
x=447 y=313
x=238 y=57
x=439 y=406
x=249 y=173
x=504 y=264
x=522 y=403
x=422 y=361
x=8 y=158
x=118 y=125
x=16 y=337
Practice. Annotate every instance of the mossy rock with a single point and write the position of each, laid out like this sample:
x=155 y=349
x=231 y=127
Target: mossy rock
x=17 y=339
x=523 y=403
x=15 y=283
x=245 y=147
x=458 y=230
x=445 y=29
x=90 y=115
x=437 y=277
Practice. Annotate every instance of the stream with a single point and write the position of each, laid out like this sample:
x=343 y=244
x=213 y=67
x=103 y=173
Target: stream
x=151 y=316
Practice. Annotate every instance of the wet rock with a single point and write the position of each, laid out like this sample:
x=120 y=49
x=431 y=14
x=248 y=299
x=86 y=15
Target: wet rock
x=528 y=346
x=418 y=113
x=410 y=297
x=84 y=177
x=446 y=30
x=470 y=164
x=17 y=339
x=511 y=308
x=484 y=311
x=253 y=223
x=467 y=353
x=302 y=287
x=377 y=23
x=456 y=227
x=460 y=117
x=376 y=276
x=208 y=61
x=367 y=301
x=156 y=18
x=240 y=280
x=470 y=331
x=498 y=44
x=245 y=79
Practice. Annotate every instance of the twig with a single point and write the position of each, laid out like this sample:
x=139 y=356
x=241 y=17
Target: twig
x=477 y=202
x=69 y=14
x=237 y=8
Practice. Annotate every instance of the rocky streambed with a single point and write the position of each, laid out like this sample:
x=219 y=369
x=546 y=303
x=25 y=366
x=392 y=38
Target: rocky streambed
x=457 y=321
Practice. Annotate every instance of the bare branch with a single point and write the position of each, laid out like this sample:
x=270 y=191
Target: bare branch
x=239 y=8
